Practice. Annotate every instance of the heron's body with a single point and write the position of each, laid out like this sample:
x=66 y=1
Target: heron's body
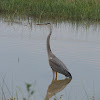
x=57 y=65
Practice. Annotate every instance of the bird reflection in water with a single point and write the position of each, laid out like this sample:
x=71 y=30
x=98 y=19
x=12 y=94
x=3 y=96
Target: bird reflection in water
x=56 y=86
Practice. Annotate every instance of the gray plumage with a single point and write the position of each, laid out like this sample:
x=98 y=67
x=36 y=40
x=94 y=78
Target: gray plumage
x=56 y=64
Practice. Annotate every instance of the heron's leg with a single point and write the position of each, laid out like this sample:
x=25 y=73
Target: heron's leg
x=53 y=75
x=56 y=75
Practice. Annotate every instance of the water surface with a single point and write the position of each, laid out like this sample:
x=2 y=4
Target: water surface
x=24 y=59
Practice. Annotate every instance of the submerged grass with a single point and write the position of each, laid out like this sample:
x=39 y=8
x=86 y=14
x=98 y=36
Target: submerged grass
x=56 y=9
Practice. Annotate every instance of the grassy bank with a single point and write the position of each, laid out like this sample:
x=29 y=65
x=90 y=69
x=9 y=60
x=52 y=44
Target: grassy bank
x=56 y=9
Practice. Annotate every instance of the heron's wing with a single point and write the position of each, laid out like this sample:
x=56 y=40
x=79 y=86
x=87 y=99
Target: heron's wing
x=57 y=65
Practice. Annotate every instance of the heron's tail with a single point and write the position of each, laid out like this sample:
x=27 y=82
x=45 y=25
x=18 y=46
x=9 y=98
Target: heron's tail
x=68 y=75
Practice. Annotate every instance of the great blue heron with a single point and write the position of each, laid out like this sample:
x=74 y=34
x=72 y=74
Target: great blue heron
x=56 y=64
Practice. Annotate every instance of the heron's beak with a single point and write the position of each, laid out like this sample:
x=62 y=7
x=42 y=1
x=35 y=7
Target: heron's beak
x=40 y=24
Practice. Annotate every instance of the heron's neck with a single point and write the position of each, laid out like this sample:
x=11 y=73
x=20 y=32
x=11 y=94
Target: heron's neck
x=48 y=42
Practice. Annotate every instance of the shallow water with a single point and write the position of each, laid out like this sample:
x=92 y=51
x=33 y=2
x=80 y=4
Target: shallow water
x=24 y=59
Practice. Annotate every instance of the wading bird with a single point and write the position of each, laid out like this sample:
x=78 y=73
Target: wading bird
x=56 y=64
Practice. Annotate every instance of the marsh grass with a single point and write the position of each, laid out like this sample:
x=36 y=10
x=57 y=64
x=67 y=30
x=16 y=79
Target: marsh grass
x=29 y=89
x=53 y=9
x=2 y=86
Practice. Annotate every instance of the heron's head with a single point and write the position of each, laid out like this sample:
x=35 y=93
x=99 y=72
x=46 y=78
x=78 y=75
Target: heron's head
x=48 y=24
x=44 y=24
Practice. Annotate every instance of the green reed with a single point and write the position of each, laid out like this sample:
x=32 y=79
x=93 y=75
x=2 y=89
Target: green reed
x=53 y=9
